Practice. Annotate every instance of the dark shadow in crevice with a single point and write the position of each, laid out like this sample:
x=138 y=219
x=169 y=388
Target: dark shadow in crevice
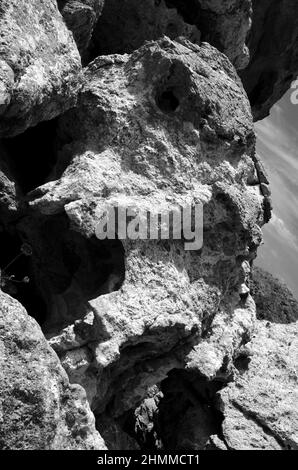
x=70 y=269
x=193 y=14
x=134 y=22
x=17 y=277
x=181 y=416
x=32 y=154
x=242 y=362
x=167 y=101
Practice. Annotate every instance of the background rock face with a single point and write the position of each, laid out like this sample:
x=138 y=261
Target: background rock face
x=80 y=17
x=273 y=49
x=222 y=24
x=39 y=64
x=40 y=410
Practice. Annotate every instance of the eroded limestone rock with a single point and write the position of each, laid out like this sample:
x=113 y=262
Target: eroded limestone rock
x=39 y=64
x=39 y=409
x=169 y=124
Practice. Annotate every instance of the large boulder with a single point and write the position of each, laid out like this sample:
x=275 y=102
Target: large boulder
x=39 y=409
x=169 y=125
x=39 y=64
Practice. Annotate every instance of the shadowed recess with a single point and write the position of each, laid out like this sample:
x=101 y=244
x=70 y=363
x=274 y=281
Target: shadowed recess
x=32 y=154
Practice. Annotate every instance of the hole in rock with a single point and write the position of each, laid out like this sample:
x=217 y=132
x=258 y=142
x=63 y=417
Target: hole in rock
x=17 y=278
x=167 y=101
x=181 y=414
x=32 y=154
x=242 y=363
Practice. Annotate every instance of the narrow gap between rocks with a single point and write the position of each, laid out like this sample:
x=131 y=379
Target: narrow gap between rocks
x=17 y=277
x=71 y=269
x=54 y=271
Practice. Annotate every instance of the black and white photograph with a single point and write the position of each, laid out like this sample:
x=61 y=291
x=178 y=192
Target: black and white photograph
x=148 y=231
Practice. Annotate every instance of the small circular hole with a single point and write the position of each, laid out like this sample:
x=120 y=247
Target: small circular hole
x=167 y=101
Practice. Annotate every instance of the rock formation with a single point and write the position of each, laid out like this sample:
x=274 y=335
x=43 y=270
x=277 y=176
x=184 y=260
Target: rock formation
x=168 y=343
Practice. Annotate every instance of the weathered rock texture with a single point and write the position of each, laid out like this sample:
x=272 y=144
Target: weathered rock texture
x=257 y=409
x=39 y=64
x=273 y=46
x=81 y=17
x=39 y=409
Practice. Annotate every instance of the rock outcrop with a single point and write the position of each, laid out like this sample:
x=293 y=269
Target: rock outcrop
x=39 y=409
x=39 y=64
x=167 y=125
